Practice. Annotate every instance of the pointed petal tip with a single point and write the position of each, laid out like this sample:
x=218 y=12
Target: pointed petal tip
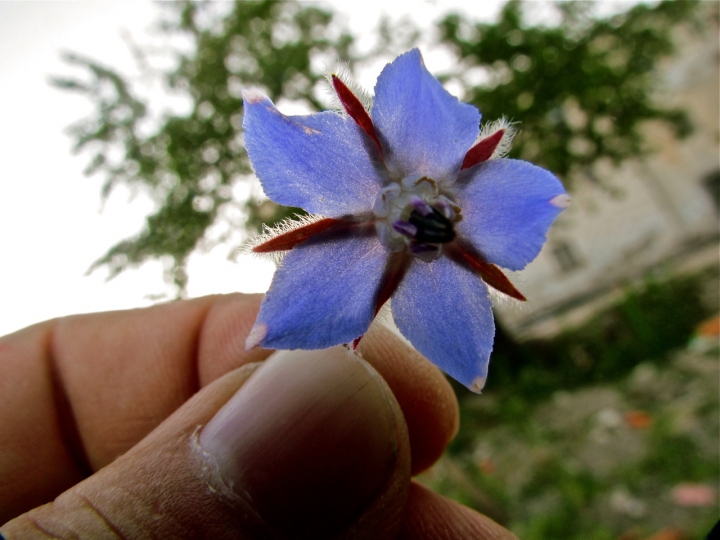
x=256 y=335
x=252 y=96
x=478 y=384
x=561 y=201
x=416 y=52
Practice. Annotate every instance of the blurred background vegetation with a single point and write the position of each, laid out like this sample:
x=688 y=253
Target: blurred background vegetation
x=192 y=162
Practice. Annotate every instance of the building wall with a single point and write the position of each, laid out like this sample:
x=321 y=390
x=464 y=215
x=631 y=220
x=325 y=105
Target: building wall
x=659 y=211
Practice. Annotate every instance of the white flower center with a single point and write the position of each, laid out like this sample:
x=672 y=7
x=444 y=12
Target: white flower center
x=413 y=215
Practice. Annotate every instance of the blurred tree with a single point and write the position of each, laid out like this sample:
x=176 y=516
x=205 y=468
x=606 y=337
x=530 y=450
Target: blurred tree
x=190 y=162
x=581 y=89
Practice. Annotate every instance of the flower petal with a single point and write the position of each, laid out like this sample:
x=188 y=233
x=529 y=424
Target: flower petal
x=424 y=128
x=445 y=312
x=507 y=207
x=319 y=162
x=323 y=294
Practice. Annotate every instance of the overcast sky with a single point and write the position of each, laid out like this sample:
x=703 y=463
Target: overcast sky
x=52 y=224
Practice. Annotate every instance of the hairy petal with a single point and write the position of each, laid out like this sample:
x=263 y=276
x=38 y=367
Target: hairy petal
x=445 y=312
x=424 y=129
x=508 y=206
x=323 y=294
x=319 y=162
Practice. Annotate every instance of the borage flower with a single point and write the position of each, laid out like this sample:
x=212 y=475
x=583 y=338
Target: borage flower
x=418 y=207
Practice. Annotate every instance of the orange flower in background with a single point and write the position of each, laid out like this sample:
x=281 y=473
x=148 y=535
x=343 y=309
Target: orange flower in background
x=638 y=419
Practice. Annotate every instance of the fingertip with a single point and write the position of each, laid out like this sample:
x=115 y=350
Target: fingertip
x=312 y=442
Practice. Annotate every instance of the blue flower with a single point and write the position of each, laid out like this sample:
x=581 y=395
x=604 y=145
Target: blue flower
x=417 y=207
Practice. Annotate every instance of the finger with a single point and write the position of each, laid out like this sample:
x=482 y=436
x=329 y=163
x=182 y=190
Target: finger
x=312 y=445
x=80 y=391
x=425 y=396
x=432 y=516
x=124 y=372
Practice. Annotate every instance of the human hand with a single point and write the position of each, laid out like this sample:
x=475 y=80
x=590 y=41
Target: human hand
x=157 y=423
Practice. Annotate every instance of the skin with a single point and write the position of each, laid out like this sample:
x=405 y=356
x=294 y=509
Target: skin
x=96 y=407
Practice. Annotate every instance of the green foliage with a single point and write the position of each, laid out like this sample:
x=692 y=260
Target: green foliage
x=679 y=460
x=654 y=318
x=572 y=492
x=651 y=320
x=552 y=446
x=580 y=90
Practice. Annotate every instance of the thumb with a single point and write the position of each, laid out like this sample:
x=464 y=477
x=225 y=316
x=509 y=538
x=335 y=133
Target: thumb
x=309 y=444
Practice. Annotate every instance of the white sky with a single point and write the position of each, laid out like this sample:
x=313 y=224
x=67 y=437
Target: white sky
x=52 y=226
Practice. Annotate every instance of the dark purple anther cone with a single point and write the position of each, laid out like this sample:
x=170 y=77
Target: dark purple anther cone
x=405 y=228
x=421 y=206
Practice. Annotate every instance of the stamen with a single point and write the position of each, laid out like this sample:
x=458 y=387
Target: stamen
x=433 y=228
x=445 y=209
x=482 y=150
x=405 y=228
x=290 y=239
x=467 y=256
x=421 y=207
x=355 y=110
x=381 y=207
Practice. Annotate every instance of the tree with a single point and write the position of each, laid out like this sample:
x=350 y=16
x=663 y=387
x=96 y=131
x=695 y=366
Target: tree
x=597 y=70
x=581 y=89
x=190 y=162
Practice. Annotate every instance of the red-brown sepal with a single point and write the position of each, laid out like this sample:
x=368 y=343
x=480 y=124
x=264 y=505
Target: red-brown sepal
x=355 y=109
x=395 y=270
x=467 y=256
x=287 y=241
x=483 y=150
